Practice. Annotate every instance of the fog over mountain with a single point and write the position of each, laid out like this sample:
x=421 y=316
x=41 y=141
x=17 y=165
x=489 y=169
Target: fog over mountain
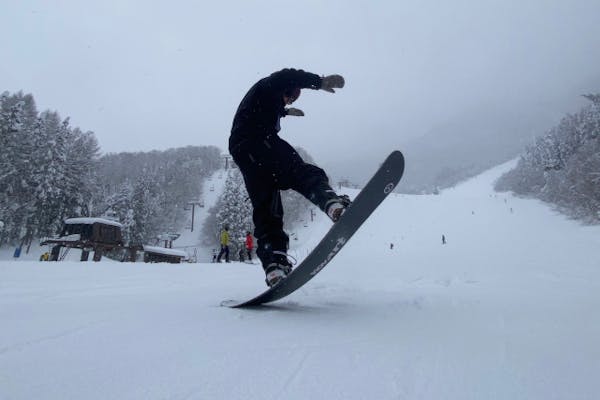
x=152 y=76
x=466 y=144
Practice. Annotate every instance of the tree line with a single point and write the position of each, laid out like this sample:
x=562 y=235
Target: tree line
x=562 y=167
x=149 y=192
x=50 y=171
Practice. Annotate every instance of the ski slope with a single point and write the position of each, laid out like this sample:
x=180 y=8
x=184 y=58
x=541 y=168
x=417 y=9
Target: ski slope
x=507 y=309
x=191 y=241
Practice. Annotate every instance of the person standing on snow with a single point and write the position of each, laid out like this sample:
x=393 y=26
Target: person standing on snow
x=270 y=164
x=224 y=244
x=249 y=245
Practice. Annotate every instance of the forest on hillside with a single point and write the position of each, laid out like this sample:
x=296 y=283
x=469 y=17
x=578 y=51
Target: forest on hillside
x=50 y=171
x=562 y=167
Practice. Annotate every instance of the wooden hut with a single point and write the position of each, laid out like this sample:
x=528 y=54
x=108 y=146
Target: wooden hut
x=96 y=230
x=153 y=254
x=87 y=234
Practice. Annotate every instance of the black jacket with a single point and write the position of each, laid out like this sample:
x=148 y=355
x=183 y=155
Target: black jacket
x=258 y=114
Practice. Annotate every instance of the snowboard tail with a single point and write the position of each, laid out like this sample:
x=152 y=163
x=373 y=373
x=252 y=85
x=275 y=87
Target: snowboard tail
x=370 y=197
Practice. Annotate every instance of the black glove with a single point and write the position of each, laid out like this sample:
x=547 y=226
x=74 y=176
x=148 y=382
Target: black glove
x=330 y=82
x=296 y=112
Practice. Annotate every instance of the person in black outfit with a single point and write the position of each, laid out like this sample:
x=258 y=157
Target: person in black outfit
x=270 y=164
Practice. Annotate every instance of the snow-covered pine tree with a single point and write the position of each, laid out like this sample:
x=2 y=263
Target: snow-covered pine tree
x=49 y=174
x=145 y=205
x=234 y=210
x=16 y=159
x=120 y=203
x=82 y=152
x=10 y=124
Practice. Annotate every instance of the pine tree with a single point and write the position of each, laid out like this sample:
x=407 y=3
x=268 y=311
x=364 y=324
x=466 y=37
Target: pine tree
x=235 y=210
x=49 y=174
x=146 y=209
x=120 y=204
x=81 y=155
x=17 y=157
x=10 y=124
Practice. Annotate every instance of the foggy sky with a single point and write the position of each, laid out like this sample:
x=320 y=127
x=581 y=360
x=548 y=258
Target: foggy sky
x=144 y=76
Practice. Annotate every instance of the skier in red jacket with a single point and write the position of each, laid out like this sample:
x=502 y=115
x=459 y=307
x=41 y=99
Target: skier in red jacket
x=249 y=245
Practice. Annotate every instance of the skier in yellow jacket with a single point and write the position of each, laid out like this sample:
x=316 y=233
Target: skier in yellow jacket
x=224 y=244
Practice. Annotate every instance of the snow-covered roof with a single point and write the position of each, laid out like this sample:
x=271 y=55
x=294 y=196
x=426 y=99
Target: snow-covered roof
x=71 y=238
x=92 y=220
x=162 y=250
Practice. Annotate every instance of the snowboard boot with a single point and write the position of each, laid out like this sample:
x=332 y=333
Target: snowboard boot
x=337 y=206
x=279 y=268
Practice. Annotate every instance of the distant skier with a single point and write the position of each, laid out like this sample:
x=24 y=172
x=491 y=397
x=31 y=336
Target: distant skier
x=224 y=244
x=443 y=239
x=249 y=245
x=270 y=164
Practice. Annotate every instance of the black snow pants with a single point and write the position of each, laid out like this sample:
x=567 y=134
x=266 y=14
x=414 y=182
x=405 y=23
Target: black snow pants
x=268 y=166
x=225 y=251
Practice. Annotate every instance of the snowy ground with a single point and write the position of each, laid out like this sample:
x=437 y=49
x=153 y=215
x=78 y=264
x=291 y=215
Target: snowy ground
x=507 y=309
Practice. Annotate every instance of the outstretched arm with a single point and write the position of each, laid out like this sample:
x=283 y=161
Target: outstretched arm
x=290 y=78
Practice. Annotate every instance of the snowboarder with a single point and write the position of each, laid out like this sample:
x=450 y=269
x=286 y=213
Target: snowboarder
x=249 y=245
x=224 y=244
x=270 y=164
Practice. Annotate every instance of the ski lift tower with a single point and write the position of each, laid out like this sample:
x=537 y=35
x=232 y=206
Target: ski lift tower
x=193 y=204
x=226 y=157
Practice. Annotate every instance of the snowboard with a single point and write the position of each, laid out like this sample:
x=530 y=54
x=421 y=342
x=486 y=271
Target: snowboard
x=377 y=189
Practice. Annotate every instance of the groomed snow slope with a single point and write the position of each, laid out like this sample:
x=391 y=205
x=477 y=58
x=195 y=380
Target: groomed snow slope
x=507 y=309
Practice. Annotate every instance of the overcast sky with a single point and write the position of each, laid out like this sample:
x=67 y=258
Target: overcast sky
x=149 y=75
